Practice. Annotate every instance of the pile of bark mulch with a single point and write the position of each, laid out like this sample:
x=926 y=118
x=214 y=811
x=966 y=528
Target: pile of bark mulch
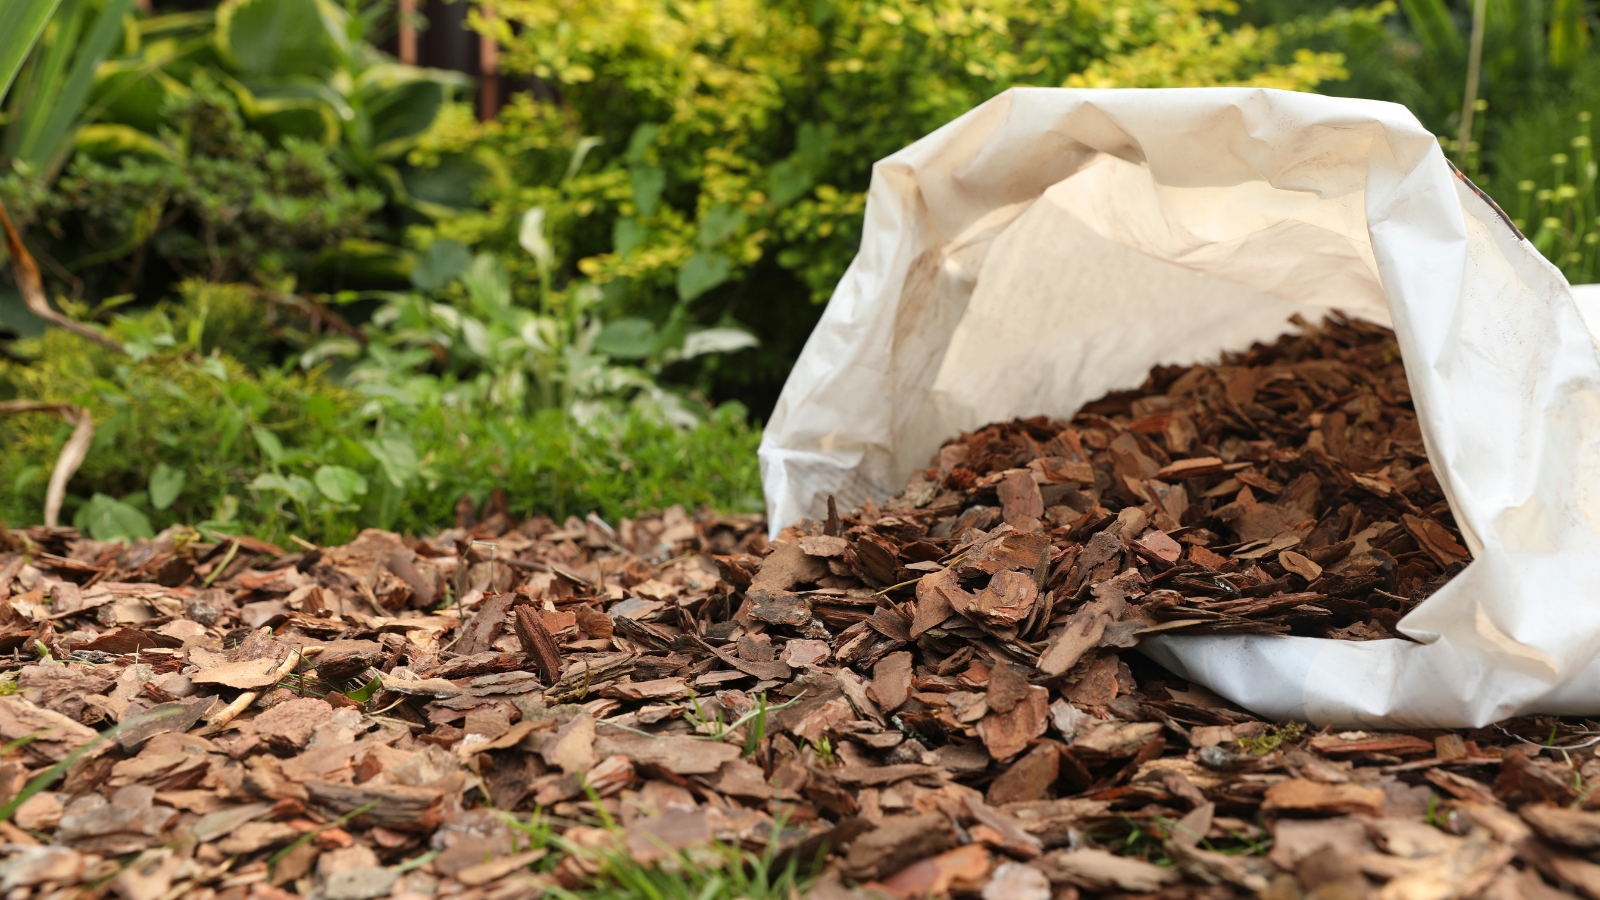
x=933 y=697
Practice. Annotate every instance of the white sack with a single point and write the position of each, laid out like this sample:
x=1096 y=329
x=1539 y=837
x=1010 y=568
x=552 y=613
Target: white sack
x=1052 y=245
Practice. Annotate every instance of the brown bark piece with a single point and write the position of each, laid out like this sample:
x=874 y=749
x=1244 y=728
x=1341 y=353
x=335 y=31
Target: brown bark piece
x=933 y=601
x=1395 y=745
x=572 y=748
x=1576 y=828
x=1019 y=496
x=1436 y=541
x=1007 y=734
x=1521 y=781
x=1029 y=778
x=1180 y=469
x=1300 y=565
x=1007 y=600
x=1081 y=633
x=896 y=843
x=778 y=608
x=485 y=624
x=935 y=876
x=537 y=644
x=1008 y=686
x=891 y=681
x=1098 y=870
x=825 y=546
x=786 y=567
x=1009 y=552
x=1298 y=795
x=678 y=755
x=247 y=674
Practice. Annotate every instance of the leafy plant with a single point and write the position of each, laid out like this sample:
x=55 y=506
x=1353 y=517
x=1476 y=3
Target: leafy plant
x=501 y=355
x=251 y=143
x=45 y=104
x=282 y=451
x=706 y=165
x=221 y=203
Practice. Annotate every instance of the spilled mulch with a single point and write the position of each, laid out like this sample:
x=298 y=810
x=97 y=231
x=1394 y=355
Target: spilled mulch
x=932 y=697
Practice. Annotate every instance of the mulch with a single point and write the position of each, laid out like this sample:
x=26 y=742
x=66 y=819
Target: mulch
x=939 y=695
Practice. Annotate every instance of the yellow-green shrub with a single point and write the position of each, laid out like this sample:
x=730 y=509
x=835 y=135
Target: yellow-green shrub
x=705 y=160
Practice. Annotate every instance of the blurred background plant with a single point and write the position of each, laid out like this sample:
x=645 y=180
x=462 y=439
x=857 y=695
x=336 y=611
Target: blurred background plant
x=352 y=289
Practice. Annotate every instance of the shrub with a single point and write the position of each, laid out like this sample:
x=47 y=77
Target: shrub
x=706 y=163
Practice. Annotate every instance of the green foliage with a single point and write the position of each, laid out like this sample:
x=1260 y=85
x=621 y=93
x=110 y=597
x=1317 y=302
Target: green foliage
x=719 y=872
x=21 y=22
x=706 y=164
x=183 y=437
x=224 y=204
x=50 y=95
x=1557 y=206
x=494 y=354
x=1274 y=737
x=262 y=142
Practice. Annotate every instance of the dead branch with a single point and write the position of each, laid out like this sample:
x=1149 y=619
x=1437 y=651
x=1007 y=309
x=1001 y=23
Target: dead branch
x=32 y=288
x=72 y=455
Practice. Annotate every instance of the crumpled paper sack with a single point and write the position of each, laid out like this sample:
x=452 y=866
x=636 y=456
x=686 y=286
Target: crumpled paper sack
x=1052 y=244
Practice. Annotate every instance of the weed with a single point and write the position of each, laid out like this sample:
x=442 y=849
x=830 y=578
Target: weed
x=719 y=872
x=1274 y=737
x=758 y=726
x=532 y=833
x=311 y=835
x=276 y=454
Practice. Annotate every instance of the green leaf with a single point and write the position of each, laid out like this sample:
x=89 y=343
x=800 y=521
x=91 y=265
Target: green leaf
x=295 y=487
x=643 y=137
x=488 y=284
x=1435 y=28
x=47 y=121
x=405 y=110
x=627 y=235
x=271 y=447
x=701 y=273
x=440 y=264
x=531 y=236
x=627 y=338
x=397 y=457
x=21 y=22
x=367 y=690
x=278 y=39
x=790 y=181
x=339 y=484
x=719 y=223
x=718 y=340
x=109 y=519
x=166 y=483
x=648 y=183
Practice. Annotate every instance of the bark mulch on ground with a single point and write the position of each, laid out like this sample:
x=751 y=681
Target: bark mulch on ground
x=939 y=695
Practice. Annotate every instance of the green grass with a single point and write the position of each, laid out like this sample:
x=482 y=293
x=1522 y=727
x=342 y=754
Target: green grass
x=716 y=872
x=273 y=452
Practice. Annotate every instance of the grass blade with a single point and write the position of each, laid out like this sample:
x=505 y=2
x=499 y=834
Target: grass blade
x=49 y=142
x=49 y=776
x=21 y=23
